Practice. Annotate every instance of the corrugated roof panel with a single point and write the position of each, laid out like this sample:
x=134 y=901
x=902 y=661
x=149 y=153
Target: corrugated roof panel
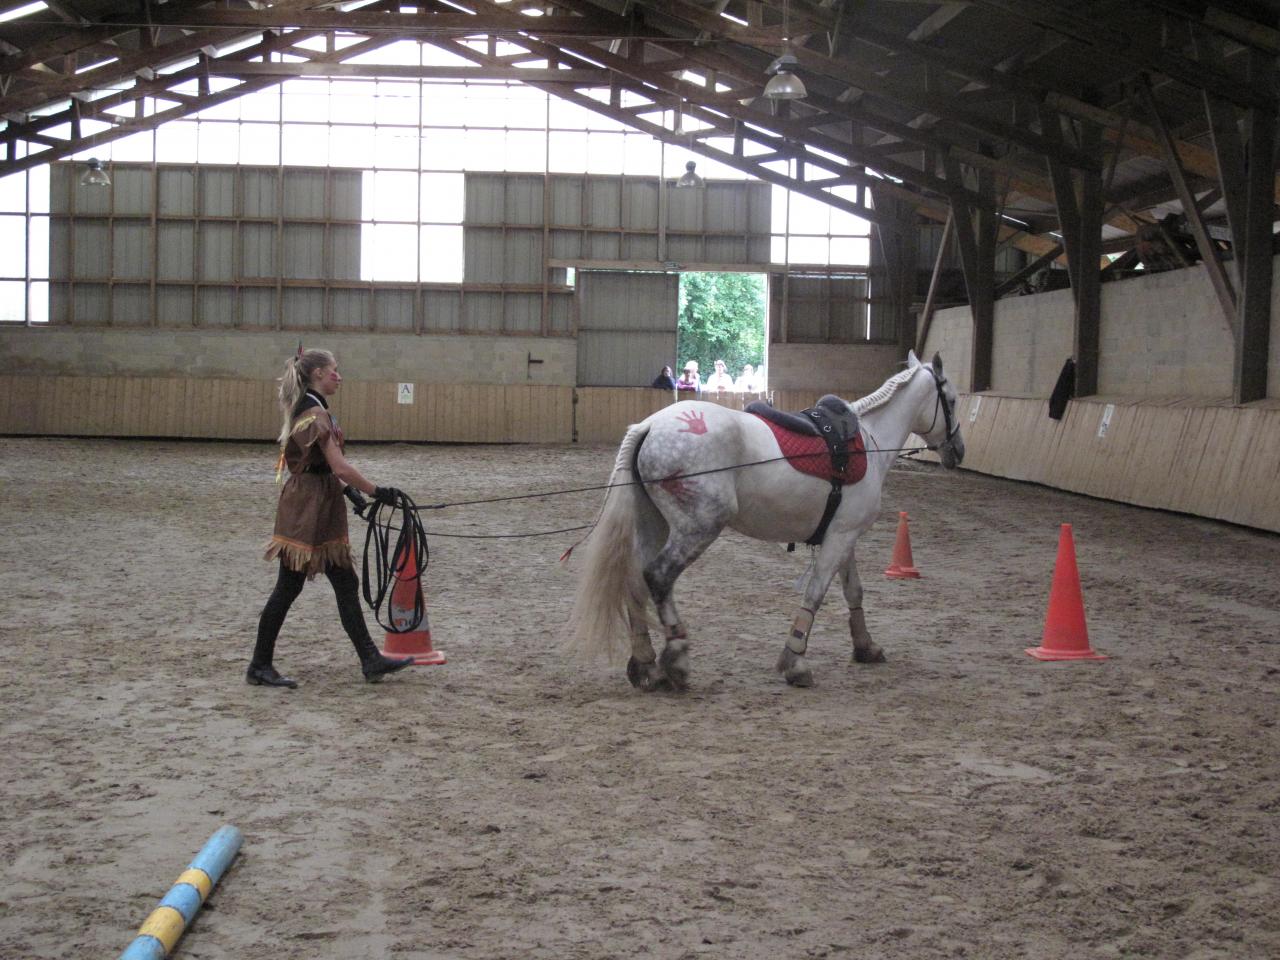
x=349 y=309
x=258 y=250
x=602 y=205
x=522 y=257
x=348 y=194
x=303 y=308
x=177 y=192
x=482 y=313
x=260 y=190
x=257 y=306
x=217 y=251
x=303 y=251
x=485 y=198
x=393 y=310
x=131 y=191
x=560 y=313
x=344 y=252
x=482 y=255
x=175 y=250
x=130 y=305
x=217 y=191
x=522 y=312
x=441 y=311
x=173 y=306
x=304 y=194
x=91 y=304
x=92 y=249
x=523 y=201
x=725 y=208
x=640 y=204
x=639 y=246
x=566 y=200
x=566 y=244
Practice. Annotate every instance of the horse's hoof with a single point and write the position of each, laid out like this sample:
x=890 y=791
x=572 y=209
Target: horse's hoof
x=645 y=676
x=799 y=678
x=872 y=654
x=674 y=662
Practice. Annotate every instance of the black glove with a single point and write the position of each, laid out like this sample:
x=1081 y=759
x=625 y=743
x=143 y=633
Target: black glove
x=386 y=495
x=358 y=502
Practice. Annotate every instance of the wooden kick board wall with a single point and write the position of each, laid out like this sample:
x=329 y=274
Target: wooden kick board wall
x=246 y=410
x=1211 y=460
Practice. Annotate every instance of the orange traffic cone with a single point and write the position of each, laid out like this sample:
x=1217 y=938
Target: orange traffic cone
x=1065 y=635
x=404 y=596
x=901 y=567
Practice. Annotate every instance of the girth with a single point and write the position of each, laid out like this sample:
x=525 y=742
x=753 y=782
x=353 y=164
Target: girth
x=835 y=422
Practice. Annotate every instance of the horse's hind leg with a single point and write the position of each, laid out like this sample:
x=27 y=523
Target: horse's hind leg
x=660 y=575
x=643 y=669
x=865 y=650
x=791 y=662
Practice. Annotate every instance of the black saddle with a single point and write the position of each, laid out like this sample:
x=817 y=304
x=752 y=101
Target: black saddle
x=835 y=422
x=830 y=418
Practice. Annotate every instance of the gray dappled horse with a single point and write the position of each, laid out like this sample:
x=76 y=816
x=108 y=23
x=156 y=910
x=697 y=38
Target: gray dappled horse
x=648 y=533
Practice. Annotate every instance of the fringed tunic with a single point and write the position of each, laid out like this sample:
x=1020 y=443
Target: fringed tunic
x=311 y=517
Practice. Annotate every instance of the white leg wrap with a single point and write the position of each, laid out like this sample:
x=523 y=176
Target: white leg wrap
x=798 y=639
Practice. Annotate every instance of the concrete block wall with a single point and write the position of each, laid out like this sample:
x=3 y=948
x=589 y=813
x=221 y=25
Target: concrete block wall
x=856 y=369
x=1160 y=336
x=239 y=354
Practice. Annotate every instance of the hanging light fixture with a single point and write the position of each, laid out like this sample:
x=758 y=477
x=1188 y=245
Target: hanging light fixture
x=95 y=175
x=783 y=83
x=690 y=177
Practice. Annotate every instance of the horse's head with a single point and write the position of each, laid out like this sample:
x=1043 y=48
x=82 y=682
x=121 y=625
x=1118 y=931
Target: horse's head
x=937 y=421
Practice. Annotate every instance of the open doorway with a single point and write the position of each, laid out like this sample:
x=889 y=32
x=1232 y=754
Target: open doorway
x=722 y=317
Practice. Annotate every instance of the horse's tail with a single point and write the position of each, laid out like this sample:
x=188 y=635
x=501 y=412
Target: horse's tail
x=611 y=591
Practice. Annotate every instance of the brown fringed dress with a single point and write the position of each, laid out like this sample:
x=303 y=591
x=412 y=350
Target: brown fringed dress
x=311 y=518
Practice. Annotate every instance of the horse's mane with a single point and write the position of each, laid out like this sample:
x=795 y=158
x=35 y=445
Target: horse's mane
x=887 y=389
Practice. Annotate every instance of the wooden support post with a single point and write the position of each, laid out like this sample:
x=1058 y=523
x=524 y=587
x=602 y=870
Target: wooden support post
x=975 y=239
x=1204 y=243
x=1253 y=321
x=926 y=315
x=1088 y=320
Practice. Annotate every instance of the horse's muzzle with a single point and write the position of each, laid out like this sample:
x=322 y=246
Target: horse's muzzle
x=951 y=452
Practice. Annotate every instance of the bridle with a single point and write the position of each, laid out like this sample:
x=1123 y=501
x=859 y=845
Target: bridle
x=940 y=403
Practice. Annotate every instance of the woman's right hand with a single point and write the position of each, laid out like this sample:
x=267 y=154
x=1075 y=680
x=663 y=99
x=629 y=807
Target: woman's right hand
x=388 y=496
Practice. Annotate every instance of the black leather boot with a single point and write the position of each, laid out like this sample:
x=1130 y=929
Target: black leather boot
x=260 y=675
x=377 y=666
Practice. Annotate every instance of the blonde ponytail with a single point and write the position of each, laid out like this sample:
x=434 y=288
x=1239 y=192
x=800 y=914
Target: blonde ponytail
x=293 y=384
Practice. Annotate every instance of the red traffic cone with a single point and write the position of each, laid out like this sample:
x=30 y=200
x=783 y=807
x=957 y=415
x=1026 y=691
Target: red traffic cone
x=404 y=597
x=902 y=567
x=1065 y=635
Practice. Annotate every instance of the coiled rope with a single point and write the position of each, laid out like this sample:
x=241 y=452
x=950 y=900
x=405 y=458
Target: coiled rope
x=392 y=561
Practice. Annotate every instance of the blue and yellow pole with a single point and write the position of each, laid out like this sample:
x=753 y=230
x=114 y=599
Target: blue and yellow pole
x=157 y=936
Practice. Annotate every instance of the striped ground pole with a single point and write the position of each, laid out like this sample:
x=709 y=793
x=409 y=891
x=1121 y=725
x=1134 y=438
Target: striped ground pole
x=157 y=936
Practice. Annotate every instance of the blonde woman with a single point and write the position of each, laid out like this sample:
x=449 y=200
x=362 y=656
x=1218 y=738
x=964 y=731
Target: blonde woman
x=311 y=520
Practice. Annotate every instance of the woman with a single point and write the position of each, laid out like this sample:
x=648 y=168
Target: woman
x=747 y=382
x=689 y=381
x=664 y=380
x=311 y=521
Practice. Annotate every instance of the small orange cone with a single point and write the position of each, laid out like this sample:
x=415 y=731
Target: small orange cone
x=404 y=596
x=902 y=566
x=1065 y=635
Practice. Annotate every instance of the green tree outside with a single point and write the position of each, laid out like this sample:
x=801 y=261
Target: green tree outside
x=721 y=318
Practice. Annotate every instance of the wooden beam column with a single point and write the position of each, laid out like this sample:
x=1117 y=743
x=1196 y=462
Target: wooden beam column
x=975 y=232
x=1080 y=214
x=1253 y=318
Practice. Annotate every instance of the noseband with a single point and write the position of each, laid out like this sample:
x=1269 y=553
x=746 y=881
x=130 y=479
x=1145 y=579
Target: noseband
x=940 y=402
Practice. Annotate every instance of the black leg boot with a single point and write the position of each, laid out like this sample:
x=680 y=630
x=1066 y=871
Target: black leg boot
x=374 y=665
x=261 y=673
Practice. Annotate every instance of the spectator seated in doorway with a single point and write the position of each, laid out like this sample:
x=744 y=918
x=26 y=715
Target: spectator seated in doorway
x=720 y=381
x=689 y=381
x=664 y=380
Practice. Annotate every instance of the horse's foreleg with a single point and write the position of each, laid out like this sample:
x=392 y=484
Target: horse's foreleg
x=865 y=650
x=791 y=662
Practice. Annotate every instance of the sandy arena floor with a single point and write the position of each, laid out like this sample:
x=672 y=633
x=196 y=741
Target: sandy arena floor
x=961 y=800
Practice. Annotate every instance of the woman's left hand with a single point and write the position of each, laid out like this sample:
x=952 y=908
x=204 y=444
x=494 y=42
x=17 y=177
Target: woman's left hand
x=358 y=502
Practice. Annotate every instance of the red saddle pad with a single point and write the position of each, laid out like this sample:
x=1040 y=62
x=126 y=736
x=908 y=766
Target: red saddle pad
x=808 y=454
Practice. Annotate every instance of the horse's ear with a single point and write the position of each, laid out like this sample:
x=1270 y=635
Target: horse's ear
x=912 y=361
x=937 y=363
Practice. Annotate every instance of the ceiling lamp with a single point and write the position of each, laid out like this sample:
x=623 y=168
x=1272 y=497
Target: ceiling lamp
x=690 y=177
x=783 y=83
x=94 y=174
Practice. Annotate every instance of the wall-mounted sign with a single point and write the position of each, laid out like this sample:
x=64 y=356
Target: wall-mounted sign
x=1107 y=411
x=404 y=393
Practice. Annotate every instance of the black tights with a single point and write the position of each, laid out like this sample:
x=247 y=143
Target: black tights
x=288 y=585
